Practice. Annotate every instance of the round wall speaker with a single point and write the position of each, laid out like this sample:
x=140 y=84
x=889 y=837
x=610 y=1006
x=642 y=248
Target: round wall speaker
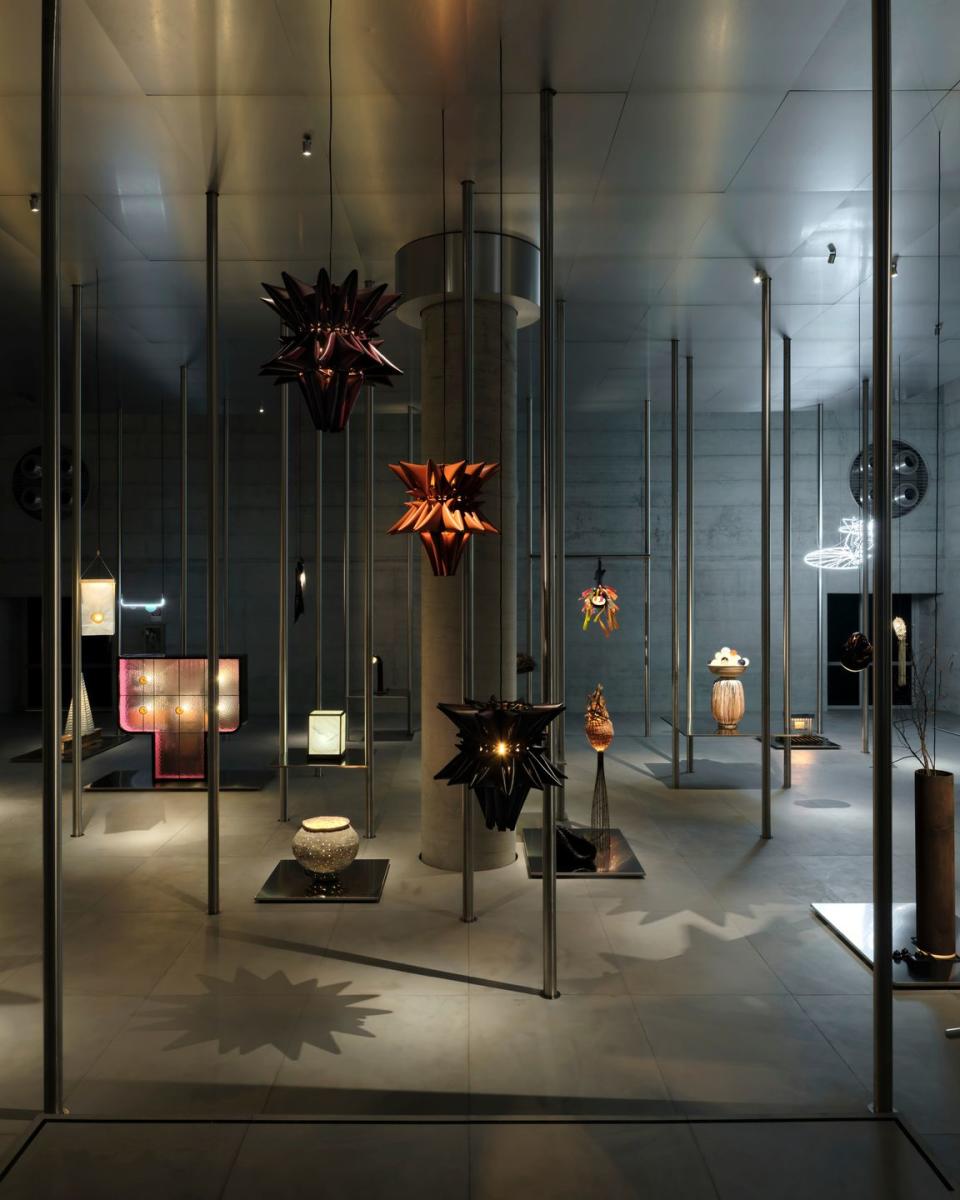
x=28 y=483
x=910 y=478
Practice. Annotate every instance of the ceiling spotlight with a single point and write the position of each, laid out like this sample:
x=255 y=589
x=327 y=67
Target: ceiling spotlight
x=831 y=253
x=758 y=276
x=893 y=266
x=261 y=409
x=307 y=145
x=34 y=202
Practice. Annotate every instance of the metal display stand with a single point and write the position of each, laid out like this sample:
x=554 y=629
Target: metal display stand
x=853 y=924
x=622 y=862
x=360 y=883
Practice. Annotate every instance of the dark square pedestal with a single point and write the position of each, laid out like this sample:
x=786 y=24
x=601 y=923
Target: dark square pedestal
x=853 y=925
x=624 y=864
x=143 y=781
x=361 y=883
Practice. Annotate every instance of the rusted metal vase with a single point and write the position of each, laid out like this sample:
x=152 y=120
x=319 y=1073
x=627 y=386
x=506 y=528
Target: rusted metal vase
x=933 y=797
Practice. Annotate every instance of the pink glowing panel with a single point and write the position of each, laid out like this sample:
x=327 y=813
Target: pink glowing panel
x=167 y=697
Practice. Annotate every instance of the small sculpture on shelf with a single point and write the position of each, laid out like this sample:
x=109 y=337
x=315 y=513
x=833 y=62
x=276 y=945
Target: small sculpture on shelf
x=599 y=730
x=598 y=604
x=501 y=754
x=727 y=700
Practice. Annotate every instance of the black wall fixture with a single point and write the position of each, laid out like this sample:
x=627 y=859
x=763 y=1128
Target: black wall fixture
x=28 y=478
x=910 y=478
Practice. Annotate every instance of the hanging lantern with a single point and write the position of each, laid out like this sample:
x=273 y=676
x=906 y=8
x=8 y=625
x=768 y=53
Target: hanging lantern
x=501 y=754
x=599 y=730
x=98 y=607
x=331 y=349
x=445 y=508
x=599 y=604
x=596 y=721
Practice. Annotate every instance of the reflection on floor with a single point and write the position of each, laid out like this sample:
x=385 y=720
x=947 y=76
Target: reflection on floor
x=859 y=1159
x=706 y=989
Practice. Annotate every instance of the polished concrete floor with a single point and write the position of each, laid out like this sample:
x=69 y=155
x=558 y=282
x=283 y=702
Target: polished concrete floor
x=707 y=989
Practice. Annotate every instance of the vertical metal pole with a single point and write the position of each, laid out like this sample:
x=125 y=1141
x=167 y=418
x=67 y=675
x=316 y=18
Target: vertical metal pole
x=51 y=616
x=819 y=697
x=467 y=803
x=184 y=555
x=531 y=546
x=675 y=557
x=559 y=585
x=368 y=744
x=548 y=363
x=225 y=501
x=410 y=584
x=213 y=554
x=318 y=568
x=119 y=549
x=787 y=565
x=882 y=608
x=765 y=646
x=346 y=573
x=76 y=642
x=865 y=558
x=283 y=564
x=690 y=563
x=647 y=459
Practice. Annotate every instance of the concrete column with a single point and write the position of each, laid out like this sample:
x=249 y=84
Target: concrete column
x=496 y=621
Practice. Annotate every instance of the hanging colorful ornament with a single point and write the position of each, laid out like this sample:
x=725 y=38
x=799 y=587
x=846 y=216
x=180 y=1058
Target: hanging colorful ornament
x=299 y=579
x=329 y=346
x=599 y=604
x=445 y=507
x=501 y=754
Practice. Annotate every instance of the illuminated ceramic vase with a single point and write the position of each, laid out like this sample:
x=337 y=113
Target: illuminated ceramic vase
x=727 y=700
x=325 y=845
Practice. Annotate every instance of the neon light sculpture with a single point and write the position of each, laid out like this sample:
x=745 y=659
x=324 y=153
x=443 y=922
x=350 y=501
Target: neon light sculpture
x=167 y=697
x=848 y=555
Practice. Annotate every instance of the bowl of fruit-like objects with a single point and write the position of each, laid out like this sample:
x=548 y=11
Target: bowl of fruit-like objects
x=728 y=664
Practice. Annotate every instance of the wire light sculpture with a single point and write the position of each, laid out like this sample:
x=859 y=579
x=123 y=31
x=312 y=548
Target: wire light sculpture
x=848 y=555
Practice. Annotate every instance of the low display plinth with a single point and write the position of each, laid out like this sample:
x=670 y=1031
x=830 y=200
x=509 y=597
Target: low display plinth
x=143 y=781
x=623 y=863
x=804 y=741
x=360 y=883
x=853 y=925
x=88 y=749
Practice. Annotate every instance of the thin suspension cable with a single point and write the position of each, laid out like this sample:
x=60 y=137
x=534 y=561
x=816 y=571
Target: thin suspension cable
x=96 y=361
x=936 y=537
x=500 y=347
x=163 y=515
x=443 y=219
x=330 y=131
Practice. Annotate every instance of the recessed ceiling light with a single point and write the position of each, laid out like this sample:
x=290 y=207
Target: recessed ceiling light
x=307 y=145
x=34 y=202
x=261 y=409
x=831 y=253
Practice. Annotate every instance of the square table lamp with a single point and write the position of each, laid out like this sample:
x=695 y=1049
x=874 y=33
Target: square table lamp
x=327 y=733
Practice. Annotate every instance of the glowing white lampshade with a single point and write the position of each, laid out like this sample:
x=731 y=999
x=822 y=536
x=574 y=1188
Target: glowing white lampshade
x=327 y=733
x=98 y=607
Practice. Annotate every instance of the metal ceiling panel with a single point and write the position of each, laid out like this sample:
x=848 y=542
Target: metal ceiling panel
x=722 y=44
x=759 y=225
x=820 y=142
x=685 y=141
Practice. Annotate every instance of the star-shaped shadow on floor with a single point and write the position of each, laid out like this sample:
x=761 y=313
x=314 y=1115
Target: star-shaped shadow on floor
x=326 y=1012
